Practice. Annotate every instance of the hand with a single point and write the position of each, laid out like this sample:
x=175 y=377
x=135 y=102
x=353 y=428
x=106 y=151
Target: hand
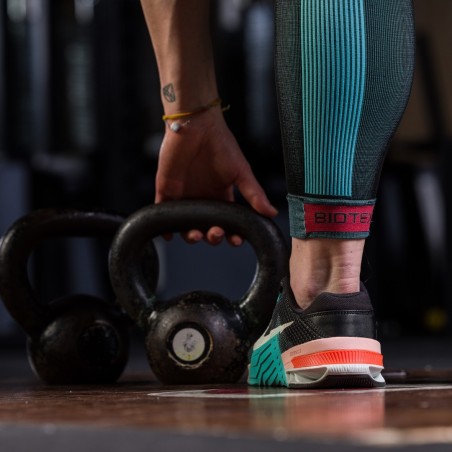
x=204 y=161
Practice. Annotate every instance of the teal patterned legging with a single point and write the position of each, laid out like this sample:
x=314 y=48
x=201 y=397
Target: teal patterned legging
x=344 y=70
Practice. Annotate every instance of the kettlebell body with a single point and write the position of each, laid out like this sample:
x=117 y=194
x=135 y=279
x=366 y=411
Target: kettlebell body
x=199 y=337
x=77 y=339
x=85 y=342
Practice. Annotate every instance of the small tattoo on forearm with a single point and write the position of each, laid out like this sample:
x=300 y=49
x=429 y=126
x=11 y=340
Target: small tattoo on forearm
x=168 y=93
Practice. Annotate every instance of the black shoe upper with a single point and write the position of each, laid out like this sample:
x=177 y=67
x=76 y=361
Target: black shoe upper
x=330 y=315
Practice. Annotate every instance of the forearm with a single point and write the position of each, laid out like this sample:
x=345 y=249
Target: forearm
x=180 y=33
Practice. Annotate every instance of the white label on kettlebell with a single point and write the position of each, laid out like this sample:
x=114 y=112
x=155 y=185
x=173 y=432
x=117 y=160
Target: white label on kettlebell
x=189 y=344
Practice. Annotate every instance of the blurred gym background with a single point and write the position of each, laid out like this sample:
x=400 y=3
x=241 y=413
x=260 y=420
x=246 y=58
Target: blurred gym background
x=80 y=126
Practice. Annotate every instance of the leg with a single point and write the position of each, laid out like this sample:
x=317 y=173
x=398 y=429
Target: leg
x=324 y=265
x=343 y=70
x=339 y=106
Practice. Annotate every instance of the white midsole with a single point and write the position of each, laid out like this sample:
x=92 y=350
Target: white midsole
x=312 y=375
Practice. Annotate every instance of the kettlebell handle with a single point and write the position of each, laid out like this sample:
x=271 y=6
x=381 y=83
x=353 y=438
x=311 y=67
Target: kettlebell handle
x=18 y=243
x=137 y=297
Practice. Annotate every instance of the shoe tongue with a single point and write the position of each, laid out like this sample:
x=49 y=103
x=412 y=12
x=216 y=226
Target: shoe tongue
x=326 y=301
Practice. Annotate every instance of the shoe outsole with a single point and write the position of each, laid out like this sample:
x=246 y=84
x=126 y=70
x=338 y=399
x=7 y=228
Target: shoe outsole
x=342 y=382
x=336 y=376
x=328 y=382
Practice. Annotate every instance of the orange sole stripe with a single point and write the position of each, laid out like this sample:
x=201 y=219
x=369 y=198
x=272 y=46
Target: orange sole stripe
x=338 y=357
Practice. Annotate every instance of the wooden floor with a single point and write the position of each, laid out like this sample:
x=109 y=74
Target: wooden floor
x=397 y=415
x=393 y=416
x=139 y=414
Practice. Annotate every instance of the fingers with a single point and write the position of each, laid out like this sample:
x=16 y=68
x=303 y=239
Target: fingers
x=193 y=236
x=214 y=236
x=254 y=193
x=235 y=240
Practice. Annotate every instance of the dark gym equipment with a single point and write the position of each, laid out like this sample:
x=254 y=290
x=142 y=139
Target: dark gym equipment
x=198 y=337
x=76 y=339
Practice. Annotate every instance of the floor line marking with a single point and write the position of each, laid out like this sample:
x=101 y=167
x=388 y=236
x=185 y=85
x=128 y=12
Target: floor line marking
x=266 y=393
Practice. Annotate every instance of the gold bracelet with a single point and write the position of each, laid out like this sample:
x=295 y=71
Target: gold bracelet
x=175 y=126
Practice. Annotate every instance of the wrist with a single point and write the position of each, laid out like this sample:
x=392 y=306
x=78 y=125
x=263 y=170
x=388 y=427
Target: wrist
x=176 y=121
x=187 y=95
x=186 y=103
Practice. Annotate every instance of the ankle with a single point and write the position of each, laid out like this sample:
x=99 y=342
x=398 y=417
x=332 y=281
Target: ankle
x=324 y=265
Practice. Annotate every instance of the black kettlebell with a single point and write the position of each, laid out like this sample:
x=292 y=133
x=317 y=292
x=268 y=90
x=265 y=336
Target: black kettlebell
x=76 y=339
x=199 y=337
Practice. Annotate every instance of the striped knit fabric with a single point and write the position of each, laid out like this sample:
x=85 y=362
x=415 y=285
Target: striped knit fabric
x=344 y=70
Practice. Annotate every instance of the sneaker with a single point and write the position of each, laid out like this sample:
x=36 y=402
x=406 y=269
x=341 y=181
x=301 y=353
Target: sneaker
x=331 y=344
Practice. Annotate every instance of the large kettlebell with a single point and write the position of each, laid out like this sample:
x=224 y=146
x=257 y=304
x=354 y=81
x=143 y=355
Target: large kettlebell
x=76 y=339
x=199 y=337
